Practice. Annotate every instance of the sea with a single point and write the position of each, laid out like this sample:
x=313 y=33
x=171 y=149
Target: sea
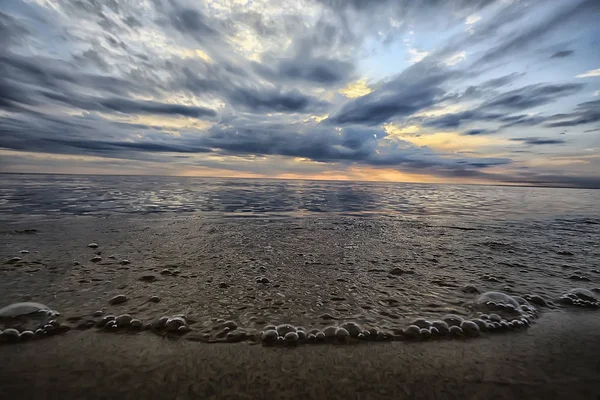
x=56 y=195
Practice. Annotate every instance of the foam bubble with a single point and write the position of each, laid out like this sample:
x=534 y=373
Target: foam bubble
x=284 y=329
x=342 y=334
x=412 y=332
x=452 y=320
x=470 y=328
x=580 y=297
x=442 y=327
x=353 y=328
x=291 y=337
x=456 y=331
x=330 y=331
x=421 y=323
x=269 y=336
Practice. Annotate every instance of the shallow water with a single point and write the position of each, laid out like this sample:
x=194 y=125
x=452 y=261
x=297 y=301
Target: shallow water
x=332 y=252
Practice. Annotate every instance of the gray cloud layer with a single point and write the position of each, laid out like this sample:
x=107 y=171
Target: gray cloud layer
x=71 y=77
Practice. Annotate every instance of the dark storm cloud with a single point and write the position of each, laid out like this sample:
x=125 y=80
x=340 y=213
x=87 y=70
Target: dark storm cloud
x=473 y=132
x=533 y=32
x=415 y=89
x=584 y=113
x=521 y=120
x=26 y=82
x=501 y=81
x=323 y=143
x=562 y=54
x=538 y=141
x=243 y=93
x=531 y=96
x=496 y=108
x=94 y=62
x=457 y=119
x=98 y=146
x=192 y=22
x=317 y=70
x=11 y=31
x=150 y=107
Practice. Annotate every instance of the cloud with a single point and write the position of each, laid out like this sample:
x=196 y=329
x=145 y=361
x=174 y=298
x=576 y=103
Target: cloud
x=473 y=132
x=356 y=89
x=416 y=55
x=498 y=108
x=534 y=32
x=181 y=82
x=532 y=96
x=589 y=74
x=456 y=58
x=585 y=113
x=562 y=54
x=538 y=141
x=150 y=107
x=415 y=89
x=472 y=19
x=496 y=83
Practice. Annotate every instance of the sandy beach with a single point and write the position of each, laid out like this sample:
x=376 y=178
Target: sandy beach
x=555 y=359
x=230 y=276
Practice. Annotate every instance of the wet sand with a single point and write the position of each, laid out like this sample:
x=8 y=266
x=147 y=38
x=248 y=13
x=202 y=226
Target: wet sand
x=557 y=358
x=380 y=272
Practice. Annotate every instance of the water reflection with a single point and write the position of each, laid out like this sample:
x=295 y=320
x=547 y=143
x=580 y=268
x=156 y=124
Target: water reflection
x=105 y=195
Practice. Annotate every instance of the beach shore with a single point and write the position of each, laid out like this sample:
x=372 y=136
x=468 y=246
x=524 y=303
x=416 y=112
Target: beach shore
x=557 y=358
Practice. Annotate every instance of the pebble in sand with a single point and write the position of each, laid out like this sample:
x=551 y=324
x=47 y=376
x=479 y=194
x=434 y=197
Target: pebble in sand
x=118 y=299
x=93 y=245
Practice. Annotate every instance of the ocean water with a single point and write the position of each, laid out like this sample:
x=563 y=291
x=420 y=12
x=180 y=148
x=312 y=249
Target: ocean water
x=55 y=195
x=307 y=253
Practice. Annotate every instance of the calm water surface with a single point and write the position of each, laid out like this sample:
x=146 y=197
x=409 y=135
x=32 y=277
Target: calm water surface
x=105 y=195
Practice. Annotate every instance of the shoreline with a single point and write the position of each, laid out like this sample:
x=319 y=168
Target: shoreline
x=553 y=359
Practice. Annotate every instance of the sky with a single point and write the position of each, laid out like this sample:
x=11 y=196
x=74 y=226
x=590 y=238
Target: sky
x=443 y=91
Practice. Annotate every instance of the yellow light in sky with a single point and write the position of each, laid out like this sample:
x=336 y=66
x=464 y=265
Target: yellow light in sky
x=439 y=111
x=454 y=141
x=356 y=89
x=394 y=130
x=317 y=118
x=187 y=53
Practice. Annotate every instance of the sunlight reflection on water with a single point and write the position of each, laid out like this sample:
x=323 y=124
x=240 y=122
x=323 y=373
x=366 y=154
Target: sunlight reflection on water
x=105 y=195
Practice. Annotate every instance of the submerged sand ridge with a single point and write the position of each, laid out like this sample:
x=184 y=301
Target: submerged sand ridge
x=208 y=275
